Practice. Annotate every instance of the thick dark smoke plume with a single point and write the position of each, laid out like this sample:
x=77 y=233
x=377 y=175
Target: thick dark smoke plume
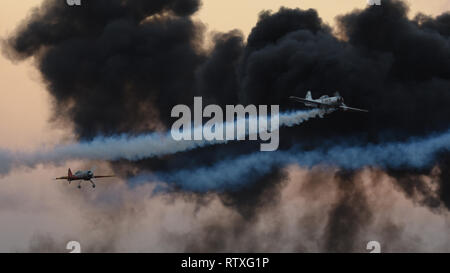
x=395 y=67
x=114 y=66
x=120 y=66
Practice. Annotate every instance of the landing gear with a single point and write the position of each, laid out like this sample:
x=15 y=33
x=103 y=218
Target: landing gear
x=92 y=182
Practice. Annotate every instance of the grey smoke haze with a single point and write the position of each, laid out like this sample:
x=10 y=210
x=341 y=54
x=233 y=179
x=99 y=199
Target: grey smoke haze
x=309 y=213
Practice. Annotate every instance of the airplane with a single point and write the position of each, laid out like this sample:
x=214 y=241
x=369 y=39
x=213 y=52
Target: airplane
x=82 y=176
x=326 y=102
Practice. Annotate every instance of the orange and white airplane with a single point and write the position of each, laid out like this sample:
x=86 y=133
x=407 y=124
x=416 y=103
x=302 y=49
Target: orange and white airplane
x=82 y=176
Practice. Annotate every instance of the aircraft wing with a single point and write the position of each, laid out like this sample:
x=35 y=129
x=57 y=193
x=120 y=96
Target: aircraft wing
x=103 y=176
x=346 y=108
x=310 y=101
x=62 y=177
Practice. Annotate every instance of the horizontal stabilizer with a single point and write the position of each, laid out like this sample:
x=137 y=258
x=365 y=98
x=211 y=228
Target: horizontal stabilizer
x=346 y=108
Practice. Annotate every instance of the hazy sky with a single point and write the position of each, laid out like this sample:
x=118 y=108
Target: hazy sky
x=24 y=104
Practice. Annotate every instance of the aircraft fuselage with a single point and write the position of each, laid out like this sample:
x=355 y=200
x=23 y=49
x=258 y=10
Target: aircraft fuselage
x=81 y=175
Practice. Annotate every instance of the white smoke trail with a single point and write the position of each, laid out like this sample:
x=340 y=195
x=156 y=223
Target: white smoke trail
x=129 y=148
x=237 y=172
x=298 y=117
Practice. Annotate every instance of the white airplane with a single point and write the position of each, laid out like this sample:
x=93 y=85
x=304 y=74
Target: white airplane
x=82 y=176
x=326 y=102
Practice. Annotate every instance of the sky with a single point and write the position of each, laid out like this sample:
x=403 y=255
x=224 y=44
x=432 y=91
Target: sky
x=42 y=215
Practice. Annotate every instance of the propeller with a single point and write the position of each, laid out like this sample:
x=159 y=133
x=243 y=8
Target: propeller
x=336 y=94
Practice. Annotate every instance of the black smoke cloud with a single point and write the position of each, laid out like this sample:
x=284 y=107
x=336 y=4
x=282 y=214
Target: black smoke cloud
x=384 y=62
x=120 y=66
x=114 y=66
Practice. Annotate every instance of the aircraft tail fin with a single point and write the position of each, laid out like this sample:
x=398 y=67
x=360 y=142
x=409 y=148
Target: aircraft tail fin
x=308 y=95
x=69 y=173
